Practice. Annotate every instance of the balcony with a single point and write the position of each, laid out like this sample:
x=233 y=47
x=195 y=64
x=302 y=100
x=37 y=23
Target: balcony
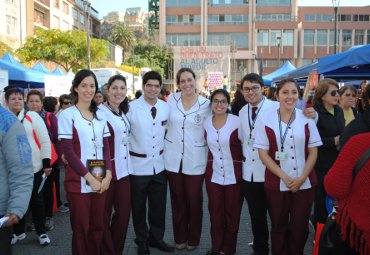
x=45 y=3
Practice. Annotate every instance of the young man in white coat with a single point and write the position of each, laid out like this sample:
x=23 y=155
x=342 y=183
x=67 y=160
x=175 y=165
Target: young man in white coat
x=148 y=118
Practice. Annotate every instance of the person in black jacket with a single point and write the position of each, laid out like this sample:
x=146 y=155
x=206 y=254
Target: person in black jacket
x=361 y=123
x=330 y=125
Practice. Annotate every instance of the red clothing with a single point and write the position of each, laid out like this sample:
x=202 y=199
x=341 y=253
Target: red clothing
x=354 y=199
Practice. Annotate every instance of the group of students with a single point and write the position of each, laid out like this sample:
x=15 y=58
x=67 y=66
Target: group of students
x=266 y=155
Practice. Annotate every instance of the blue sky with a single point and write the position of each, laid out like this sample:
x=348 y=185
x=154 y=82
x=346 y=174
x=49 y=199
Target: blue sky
x=105 y=6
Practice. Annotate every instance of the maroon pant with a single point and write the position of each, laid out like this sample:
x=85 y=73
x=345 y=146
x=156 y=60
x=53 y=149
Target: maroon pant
x=119 y=198
x=289 y=213
x=187 y=207
x=87 y=222
x=224 y=205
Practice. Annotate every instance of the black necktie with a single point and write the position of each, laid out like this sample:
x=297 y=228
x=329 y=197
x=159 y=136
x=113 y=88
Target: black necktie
x=154 y=112
x=254 y=109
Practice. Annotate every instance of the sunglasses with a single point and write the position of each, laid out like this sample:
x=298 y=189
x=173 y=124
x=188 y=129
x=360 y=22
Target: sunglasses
x=67 y=102
x=350 y=95
x=333 y=93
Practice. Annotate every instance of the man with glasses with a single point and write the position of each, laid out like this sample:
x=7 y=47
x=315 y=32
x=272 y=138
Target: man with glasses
x=148 y=118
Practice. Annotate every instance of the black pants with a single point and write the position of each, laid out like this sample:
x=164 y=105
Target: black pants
x=152 y=188
x=37 y=209
x=320 y=213
x=5 y=238
x=254 y=194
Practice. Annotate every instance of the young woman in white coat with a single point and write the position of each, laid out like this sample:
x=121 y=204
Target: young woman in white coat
x=185 y=156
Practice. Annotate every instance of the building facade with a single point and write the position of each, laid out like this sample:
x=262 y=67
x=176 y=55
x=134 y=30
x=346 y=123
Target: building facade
x=268 y=30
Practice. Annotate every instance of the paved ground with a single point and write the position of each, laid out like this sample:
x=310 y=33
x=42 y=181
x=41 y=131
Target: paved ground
x=61 y=237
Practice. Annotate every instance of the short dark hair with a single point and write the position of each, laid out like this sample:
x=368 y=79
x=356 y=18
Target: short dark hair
x=49 y=104
x=62 y=98
x=34 y=92
x=152 y=75
x=11 y=91
x=222 y=92
x=285 y=81
x=183 y=70
x=123 y=106
x=252 y=77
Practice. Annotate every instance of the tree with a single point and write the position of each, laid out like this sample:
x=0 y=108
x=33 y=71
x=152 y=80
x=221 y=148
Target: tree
x=122 y=35
x=4 y=48
x=65 y=48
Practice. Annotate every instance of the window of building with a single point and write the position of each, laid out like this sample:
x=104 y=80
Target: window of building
x=176 y=20
x=273 y=17
x=309 y=37
x=11 y=25
x=346 y=37
x=65 y=25
x=183 y=39
x=331 y=38
x=240 y=40
x=227 y=2
x=322 y=37
x=182 y=3
x=360 y=17
x=56 y=4
x=74 y=14
x=56 y=23
x=344 y=17
x=180 y=19
x=39 y=17
x=82 y=18
x=262 y=38
x=274 y=35
x=65 y=8
x=359 y=37
x=221 y=19
x=368 y=37
x=273 y=2
x=307 y=61
x=318 y=17
x=288 y=37
x=271 y=63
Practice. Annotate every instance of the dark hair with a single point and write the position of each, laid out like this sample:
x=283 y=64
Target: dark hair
x=62 y=98
x=224 y=93
x=49 y=104
x=34 y=92
x=79 y=76
x=123 y=106
x=13 y=91
x=183 y=70
x=152 y=75
x=271 y=94
x=138 y=94
x=366 y=98
x=252 y=77
x=322 y=88
x=285 y=81
x=347 y=87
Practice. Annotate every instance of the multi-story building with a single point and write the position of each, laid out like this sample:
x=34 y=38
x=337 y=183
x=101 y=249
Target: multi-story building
x=22 y=16
x=272 y=30
x=134 y=17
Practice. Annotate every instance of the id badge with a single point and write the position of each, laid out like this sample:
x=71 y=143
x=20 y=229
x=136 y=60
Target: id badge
x=281 y=156
x=250 y=142
x=125 y=140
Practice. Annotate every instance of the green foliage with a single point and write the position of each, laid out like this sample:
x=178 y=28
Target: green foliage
x=66 y=48
x=4 y=48
x=122 y=35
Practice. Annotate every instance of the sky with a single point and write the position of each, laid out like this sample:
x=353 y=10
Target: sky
x=105 y=6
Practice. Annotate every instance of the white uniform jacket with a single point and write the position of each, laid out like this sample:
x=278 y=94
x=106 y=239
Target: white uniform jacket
x=119 y=128
x=147 y=136
x=252 y=165
x=185 y=136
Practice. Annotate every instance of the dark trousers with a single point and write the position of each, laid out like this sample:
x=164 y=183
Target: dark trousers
x=87 y=221
x=49 y=194
x=116 y=224
x=224 y=205
x=5 y=238
x=320 y=213
x=187 y=207
x=254 y=194
x=289 y=213
x=151 y=188
x=37 y=209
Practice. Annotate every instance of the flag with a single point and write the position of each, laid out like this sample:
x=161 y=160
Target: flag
x=261 y=64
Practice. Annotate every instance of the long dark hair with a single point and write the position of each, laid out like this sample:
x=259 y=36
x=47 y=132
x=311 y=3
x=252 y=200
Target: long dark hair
x=80 y=75
x=123 y=106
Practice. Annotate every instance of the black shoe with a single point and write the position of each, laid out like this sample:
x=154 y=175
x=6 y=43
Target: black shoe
x=143 y=249
x=162 y=246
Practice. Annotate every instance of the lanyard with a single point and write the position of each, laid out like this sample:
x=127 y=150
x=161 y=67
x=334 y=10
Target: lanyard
x=251 y=124
x=283 y=137
x=122 y=116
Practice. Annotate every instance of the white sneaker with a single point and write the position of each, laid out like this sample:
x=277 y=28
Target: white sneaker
x=16 y=238
x=44 y=240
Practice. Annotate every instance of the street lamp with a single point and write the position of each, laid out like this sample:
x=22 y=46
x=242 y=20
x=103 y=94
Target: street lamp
x=278 y=44
x=87 y=6
x=336 y=6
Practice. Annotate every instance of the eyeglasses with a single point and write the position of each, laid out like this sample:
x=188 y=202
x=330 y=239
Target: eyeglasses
x=153 y=86
x=67 y=102
x=333 y=93
x=350 y=95
x=221 y=102
x=253 y=89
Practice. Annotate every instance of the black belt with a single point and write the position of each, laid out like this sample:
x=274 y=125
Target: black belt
x=142 y=155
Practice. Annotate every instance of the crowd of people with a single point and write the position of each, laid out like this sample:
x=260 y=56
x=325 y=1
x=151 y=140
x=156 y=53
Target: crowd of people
x=278 y=154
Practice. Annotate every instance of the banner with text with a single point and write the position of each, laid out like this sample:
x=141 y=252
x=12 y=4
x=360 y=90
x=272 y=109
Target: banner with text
x=203 y=60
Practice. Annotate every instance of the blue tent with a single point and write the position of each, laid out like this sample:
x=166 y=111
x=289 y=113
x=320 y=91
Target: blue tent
x=20 y=75
x=287 y=67
x=58 y=71
x=41 y=68
x=300 y=73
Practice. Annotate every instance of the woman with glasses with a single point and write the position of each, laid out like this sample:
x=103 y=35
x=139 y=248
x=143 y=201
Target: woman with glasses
x=347 y=101
x=330 y=125
x=185 y=155
x=223 y=174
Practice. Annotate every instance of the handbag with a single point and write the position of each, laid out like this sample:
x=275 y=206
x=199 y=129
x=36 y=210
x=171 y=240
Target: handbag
x=330 y=234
